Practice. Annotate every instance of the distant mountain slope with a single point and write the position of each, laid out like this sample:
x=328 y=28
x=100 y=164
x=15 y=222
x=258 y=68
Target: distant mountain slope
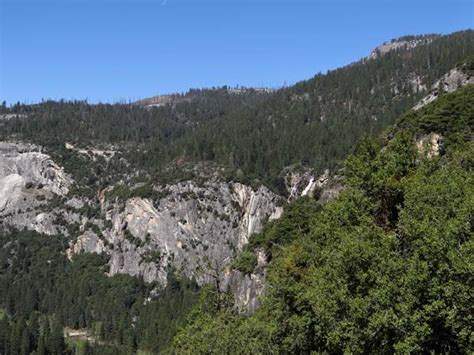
x=256 y=134
x=173 y=99
x=316 y=122
x=405 y=42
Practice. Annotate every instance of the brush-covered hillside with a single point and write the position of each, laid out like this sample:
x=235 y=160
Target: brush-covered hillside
x=386 y=267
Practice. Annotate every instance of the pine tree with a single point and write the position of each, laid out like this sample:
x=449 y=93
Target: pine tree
x=56 y=344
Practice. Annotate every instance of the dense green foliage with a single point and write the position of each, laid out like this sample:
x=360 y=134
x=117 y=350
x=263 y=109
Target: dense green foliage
x=314 y=123
x=41 y=292
x=386 y=267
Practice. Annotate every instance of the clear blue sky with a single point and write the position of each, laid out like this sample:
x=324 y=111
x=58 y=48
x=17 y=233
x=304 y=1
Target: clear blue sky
x=109 y=50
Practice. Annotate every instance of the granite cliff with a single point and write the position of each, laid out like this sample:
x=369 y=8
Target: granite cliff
x=195 y=229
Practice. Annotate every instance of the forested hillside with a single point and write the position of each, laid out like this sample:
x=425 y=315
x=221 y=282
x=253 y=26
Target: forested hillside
x=256 y=134
x=386 y=267
x=41 y=292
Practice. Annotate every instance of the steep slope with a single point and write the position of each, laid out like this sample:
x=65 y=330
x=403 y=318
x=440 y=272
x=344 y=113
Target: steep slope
x=386 y=267
x=460 y=76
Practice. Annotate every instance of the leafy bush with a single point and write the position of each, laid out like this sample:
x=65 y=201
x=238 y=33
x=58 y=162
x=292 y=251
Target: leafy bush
x=246 y=262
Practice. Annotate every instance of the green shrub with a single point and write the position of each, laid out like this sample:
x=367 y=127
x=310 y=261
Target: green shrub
x=246 y=262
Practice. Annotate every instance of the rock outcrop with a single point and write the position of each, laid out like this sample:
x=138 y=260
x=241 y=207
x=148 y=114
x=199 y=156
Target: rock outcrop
x=400 y=43
x=28 y=163
x=28 y=179
x=299 y=182
x=303 y=182
x=450 y=82
x=430 y=146
x=247 y=289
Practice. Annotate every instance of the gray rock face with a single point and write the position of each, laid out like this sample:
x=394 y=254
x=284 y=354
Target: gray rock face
x=27 y=179
x=247 y=289
x=397 y=44
x=10 y=191
x=26 y=162
x=450 y=82
x=195 y=230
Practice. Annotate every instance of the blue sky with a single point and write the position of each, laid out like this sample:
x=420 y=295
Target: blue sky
x=111 y=50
